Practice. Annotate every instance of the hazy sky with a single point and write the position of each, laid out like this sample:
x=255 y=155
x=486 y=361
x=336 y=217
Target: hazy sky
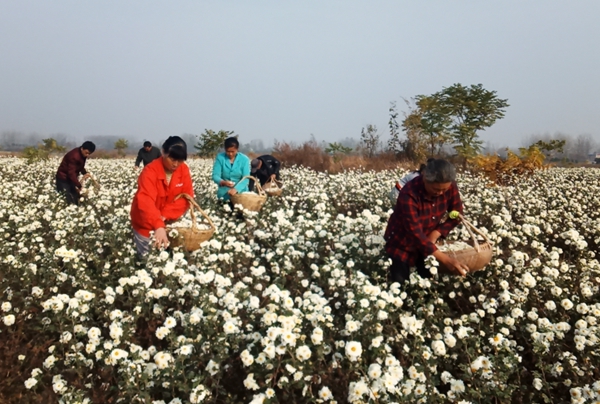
x=287 y=69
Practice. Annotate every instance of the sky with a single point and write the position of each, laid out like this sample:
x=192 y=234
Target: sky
x=285 y=70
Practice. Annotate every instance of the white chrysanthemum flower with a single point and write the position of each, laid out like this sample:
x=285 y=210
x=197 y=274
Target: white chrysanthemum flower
x=438 y=347
x=303 y=353
x=353 y=350
x=9 y=320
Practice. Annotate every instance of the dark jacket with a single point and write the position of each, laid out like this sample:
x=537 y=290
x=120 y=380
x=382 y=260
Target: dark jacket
x=270 y=166
x=72 y=164
x=147 y=157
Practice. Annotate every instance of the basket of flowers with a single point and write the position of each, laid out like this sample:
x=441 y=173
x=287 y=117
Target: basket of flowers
x=474 y=253
x=190 y=234
x=273 y=187
x=252 y=201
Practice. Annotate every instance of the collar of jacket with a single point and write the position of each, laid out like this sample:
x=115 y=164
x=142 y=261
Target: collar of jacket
x=158 y=167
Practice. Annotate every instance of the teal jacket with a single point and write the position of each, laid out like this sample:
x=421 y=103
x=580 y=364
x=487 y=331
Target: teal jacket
x=223 y=169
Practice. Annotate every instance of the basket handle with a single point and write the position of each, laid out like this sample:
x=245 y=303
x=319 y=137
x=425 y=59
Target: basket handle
x=274 y=182
x=261 y=192
x=94 y=182
x=193 y=205
x=471 y=229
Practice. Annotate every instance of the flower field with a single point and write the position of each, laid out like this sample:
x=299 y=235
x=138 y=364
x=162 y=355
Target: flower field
x=290 y=305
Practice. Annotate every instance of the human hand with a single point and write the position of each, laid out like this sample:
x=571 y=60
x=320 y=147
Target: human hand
x=225 y=183
x=273 y=177
x=232 y=191
x=453 y=265
x=160 y=238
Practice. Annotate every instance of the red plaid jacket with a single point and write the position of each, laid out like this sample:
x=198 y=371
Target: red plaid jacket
x=415 y=216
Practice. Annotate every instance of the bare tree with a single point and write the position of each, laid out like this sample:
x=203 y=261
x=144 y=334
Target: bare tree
x=582 y=146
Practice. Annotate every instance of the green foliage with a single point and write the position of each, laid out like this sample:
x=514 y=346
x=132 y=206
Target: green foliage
x=551 y=147
x=433 y=121
x=469 y=110
x=121 y=145
x=211 y=141
x=369 y=139
x=455 y=115
x=42 y=151
x=337 y=150
x=394 y=144
x=51 y=145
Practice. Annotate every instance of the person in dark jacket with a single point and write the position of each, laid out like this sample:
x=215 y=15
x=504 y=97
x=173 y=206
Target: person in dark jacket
x=73 y=164
x=265 y=168
x=147 y=154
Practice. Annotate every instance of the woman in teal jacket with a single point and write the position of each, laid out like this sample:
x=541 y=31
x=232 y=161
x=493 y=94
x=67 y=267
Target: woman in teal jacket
x=229 y=168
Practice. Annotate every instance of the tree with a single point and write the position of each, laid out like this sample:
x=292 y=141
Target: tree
x=394 y=144
x=369 y=139
x=337 y=150
x=583 y=146
x=430 y=120
x=121 y=145
x=210 y=142
x=416 y=143
x=469 y=109
x=455 y=115
x=42 y=151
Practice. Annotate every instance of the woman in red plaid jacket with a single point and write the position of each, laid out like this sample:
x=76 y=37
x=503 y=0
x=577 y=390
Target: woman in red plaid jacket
x=414 y=227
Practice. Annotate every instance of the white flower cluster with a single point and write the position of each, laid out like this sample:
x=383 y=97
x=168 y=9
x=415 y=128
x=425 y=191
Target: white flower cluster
x=292 y=304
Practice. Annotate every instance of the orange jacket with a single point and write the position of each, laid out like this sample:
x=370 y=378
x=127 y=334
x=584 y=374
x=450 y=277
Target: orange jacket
x=155 y=199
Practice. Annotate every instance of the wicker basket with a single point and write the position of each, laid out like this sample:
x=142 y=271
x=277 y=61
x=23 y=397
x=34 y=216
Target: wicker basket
x=475 y=258
x=191 y=237
x=250 y=201
x=273 y=188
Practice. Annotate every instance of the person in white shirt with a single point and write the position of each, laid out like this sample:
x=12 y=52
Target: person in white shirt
x=403 y=181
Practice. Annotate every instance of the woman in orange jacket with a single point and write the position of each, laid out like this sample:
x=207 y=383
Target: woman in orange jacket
x=154 y=202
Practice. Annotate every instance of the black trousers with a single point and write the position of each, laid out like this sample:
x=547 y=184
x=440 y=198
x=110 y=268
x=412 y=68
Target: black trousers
x=399 y=271
x=69 y=190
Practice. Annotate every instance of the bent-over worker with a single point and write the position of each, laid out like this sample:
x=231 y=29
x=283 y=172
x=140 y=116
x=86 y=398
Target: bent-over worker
x=73 y=164
x=147 y=154
x=414 y=227
x=154 y=203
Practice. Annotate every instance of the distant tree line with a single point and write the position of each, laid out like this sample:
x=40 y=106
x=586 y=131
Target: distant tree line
x=446 y=123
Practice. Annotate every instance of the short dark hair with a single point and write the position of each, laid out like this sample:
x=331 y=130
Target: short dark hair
x=89 y=146
x=147 y=144
x=231 y=142
x=439 y=171
x=175 y=148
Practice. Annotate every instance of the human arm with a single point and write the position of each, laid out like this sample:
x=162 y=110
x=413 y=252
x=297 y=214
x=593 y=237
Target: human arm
x=408 y=212
x=451 y=263
x=138 y=159
x=273 y=166
x=73 y=171
x=146 y=196
x=217 y=173
x=454 y=203
x=244 y=167
x=174 y=210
